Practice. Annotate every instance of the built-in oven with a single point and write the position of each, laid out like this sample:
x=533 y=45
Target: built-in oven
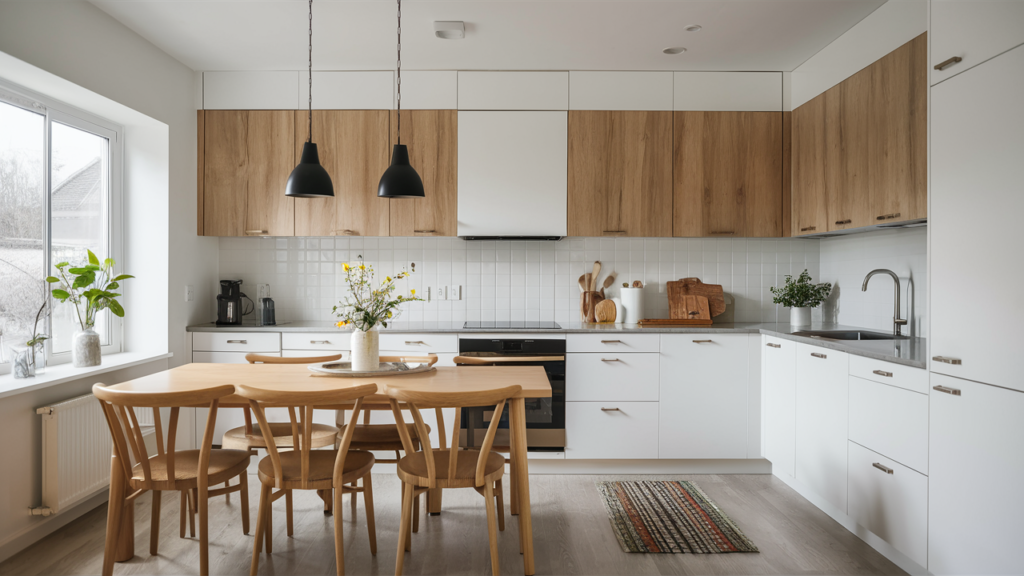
x=545 y=417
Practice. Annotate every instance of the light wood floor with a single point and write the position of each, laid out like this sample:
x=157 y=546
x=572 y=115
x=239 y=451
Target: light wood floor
x=572 y=535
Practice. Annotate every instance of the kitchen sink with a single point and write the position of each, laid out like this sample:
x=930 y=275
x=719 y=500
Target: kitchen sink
x=848 y=335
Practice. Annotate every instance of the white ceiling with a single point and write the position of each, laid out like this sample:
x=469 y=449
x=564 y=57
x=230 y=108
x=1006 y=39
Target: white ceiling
x=754 y=35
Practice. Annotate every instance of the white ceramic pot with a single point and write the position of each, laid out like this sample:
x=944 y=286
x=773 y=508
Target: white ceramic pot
x=85 y=348
x=800 y=316
x=365 y=350
x=632 y=305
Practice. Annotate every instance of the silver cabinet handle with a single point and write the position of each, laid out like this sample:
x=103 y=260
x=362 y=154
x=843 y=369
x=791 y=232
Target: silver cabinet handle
x=809 y=229
x=818 y=355
x=346 y=232
x=417 y=342
x=888 y=216
x=842 y=222
x=255 y=232
x=614 y=232
x=610 y=360
x=885 y=469
x=610 y=410
x=882 y=373
x=319 y=341
x=946 y=390
x=611 y=341
x=423 y=231
x=703 y=341
x=238 y=341
x=770 y=345
x=947 y=63
x=947 y=360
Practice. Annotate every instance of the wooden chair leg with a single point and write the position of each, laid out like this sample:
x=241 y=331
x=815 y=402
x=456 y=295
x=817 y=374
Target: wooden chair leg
x=204 y=530
x=154 y=524
x=268 y=536
x=244 y=479
x=288 y=512
x=371 y=528
x=499 y=502
x=403 y=527
x=492 y=527
x=261 y=527
x=328 y=497
x=181 y=520
x=227 y=497
x=339 y=540
x=416 y=514
x=354 y=485
x=115 y=507
x=513 y=489
x=192 y=513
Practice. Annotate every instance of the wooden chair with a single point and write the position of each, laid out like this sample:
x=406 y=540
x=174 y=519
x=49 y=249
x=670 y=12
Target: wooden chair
x=169 y=469
x=306 y=469
x=450 y=468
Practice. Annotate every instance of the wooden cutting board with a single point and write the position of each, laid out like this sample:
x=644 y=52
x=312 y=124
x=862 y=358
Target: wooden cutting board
x=652 y=322
x=678 y=289
x=689 y=308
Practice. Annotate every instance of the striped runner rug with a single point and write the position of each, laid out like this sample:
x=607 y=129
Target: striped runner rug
x=670 y=517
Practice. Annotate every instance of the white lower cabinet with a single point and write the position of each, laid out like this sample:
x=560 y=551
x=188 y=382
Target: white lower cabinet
x=703 y=407
x=611 y=376
x=611 y=430
x=821 y=421
x=345 y=354
x=976 y=463
x=890 y=500
x=779 y=384
x=891 y=421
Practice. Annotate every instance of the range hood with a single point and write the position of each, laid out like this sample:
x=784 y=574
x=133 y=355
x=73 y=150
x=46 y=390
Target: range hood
x=513 y=175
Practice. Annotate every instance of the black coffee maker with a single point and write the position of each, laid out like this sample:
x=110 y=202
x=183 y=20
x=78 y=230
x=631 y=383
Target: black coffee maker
x=229 y=303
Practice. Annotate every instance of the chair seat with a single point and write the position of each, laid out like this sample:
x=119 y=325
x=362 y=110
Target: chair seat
x=378 y=436
x=237 y=439
x=321 y=469
x=413 y=468
x=224 y=464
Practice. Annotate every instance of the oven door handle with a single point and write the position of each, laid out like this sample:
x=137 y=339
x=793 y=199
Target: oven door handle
x=492 y=360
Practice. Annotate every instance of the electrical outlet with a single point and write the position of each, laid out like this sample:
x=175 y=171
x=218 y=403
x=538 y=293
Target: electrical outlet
x=190 y=293
x=442 y=293
x=455 y=292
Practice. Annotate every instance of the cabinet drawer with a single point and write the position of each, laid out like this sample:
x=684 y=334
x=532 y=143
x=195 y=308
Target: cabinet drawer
x=424 y=343
x=890 y=421
x=612 y=342
x=345 y=354
x=237 y=341
x=222 y=357
x=611 y=377
x=892 y=505
x=915 y=379
x=332 y=341
x=611 y=430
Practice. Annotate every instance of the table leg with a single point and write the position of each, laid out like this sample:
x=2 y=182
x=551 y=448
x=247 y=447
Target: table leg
x=518 y=455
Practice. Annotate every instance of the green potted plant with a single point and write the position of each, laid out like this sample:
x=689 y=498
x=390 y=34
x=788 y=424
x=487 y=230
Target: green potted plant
x=800 y=296
x=367 y=307
x=90 y=288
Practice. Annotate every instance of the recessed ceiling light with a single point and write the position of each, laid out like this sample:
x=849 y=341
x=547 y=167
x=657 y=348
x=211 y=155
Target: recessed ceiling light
x=452 y=30
x=674 y=50
x=692 y=28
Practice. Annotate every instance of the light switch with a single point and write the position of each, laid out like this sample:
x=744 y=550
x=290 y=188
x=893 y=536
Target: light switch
x=190 y=293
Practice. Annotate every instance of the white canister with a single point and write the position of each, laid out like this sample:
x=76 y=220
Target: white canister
x=800 y=316
x=632 y=305
x=619 y=315
x=365 y=350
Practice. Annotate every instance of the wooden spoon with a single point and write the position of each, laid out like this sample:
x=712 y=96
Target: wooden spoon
x=593 y=277
x=583 y=282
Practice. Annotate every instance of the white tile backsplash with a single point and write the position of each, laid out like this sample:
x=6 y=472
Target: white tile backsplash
x=511 y=280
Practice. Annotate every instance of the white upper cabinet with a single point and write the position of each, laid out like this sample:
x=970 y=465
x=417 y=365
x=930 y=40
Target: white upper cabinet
x=348 y=89
x=728 y=91
x=977 y=197
x=251 y=90
x=620 y=90
x=513 y=91
x=974 y=30
x=429 y=90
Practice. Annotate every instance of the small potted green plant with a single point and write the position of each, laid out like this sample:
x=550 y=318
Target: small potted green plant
x=90 y=288
x=367 y=307
x=800 y=296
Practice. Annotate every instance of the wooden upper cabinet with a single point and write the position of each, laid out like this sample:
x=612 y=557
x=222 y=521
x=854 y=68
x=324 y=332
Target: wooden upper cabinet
x=248 y=157
x=620 y=173
x=728 y=174
x=354 y=149
x=809 y=150
x=432 y=137
x=847 y=153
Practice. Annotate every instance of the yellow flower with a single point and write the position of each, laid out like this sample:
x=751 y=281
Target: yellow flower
x=361 y=267
x=346 y=267
x=412 y=291
x=389 y=313
x=388 y=278
x=341 y=324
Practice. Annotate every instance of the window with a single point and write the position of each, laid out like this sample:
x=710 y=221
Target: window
x=59 y=186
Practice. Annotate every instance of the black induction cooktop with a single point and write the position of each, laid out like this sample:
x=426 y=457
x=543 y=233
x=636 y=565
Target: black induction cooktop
x=511 y=325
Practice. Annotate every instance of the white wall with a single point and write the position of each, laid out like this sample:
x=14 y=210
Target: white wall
x=846 y=260
x=892 y=25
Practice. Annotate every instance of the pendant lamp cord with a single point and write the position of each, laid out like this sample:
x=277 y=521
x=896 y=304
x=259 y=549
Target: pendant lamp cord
x=309 y=133
x=399 y=71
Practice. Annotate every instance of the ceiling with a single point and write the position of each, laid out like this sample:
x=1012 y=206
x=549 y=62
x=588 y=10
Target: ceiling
x=750 y=35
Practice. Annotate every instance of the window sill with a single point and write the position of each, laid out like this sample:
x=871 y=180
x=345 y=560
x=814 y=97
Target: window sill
x=61 y=373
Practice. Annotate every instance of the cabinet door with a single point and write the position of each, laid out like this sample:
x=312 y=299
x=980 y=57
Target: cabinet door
x=248 y=157
x=974 y=30
x=611 y=430
x=779 y=381
x=809 y=149
x=354 y=149
x=728 y=174
x=847 y=150
x=977 y=199
x=703 y=388
x=620 y=173
x=976 y=454
x=821 y=421
x=432 y=138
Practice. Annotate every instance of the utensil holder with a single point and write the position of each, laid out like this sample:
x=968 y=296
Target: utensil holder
x=632 y=305
x=588 y=305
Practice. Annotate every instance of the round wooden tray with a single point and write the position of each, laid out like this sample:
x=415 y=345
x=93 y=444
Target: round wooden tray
x=344 y=369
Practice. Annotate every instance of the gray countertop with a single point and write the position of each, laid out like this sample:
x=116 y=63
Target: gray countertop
x=909 y=352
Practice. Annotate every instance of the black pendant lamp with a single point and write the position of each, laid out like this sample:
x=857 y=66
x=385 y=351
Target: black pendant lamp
x=309 y=179
x=400 y=180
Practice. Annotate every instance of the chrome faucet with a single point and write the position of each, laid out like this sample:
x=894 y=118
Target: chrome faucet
x=897 y=322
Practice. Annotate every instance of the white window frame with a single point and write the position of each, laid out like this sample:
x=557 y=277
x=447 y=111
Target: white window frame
x=55 y=111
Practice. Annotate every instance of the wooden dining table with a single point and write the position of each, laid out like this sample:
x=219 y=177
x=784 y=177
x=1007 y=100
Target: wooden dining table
x=198 y=376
